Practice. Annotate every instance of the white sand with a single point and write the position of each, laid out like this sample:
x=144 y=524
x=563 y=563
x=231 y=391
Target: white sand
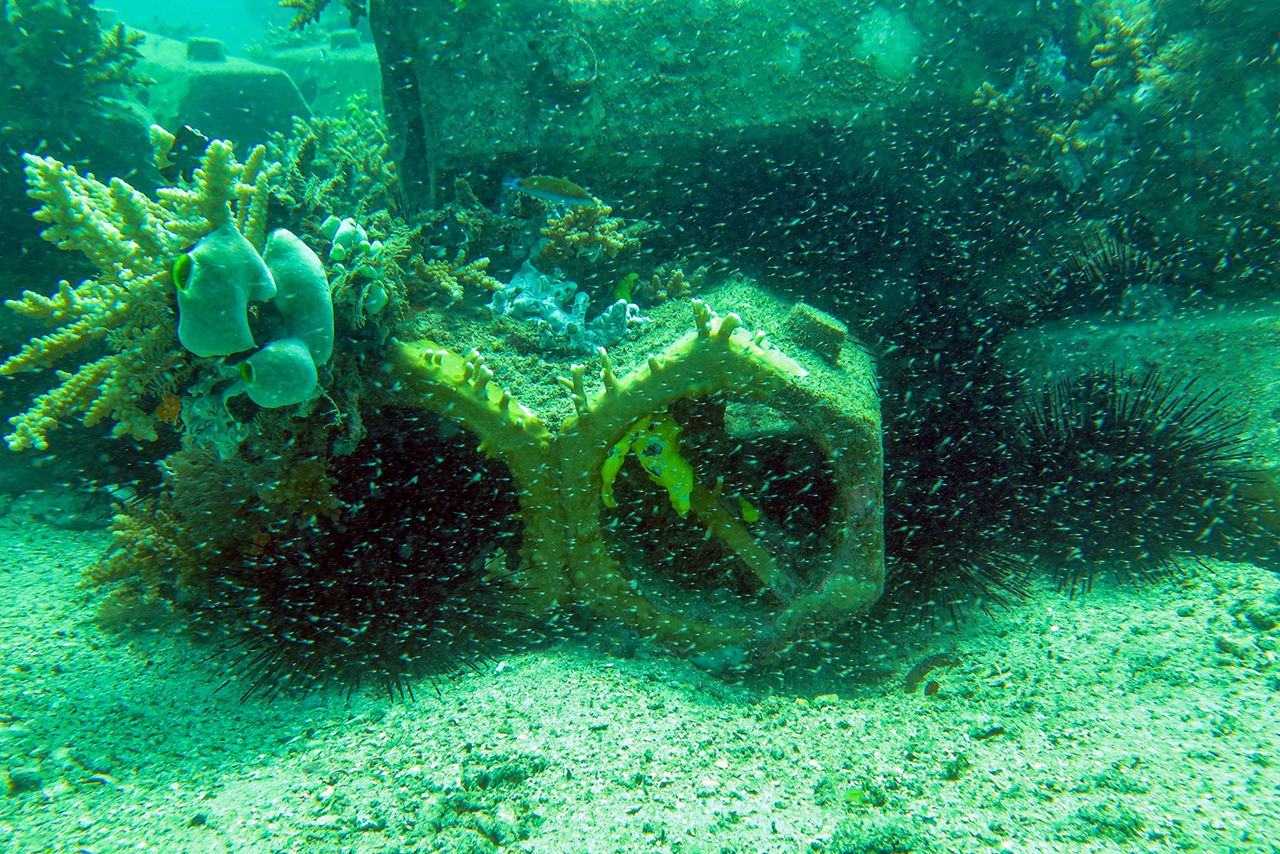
x=1130 y=719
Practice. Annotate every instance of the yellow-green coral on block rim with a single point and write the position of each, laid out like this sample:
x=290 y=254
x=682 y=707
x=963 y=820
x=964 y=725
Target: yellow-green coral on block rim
x=563 y=473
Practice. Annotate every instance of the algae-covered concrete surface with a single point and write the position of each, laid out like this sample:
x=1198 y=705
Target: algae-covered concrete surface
x=621 y=89
x=1139 y=719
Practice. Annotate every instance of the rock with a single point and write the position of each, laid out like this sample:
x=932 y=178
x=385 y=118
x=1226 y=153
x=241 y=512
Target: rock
x=232 y=99
x=24 y=779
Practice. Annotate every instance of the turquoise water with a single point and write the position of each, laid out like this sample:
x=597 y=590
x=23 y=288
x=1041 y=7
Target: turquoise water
x=640 y=426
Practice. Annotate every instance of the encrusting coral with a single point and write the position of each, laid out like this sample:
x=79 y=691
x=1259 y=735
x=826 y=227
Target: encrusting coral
x=127 y=309
x=564 y=476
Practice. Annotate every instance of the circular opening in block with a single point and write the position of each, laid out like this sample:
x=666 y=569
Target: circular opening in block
x=724 y=510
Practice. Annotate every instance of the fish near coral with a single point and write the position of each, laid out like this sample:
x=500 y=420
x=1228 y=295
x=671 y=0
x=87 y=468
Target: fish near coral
x=558 y=191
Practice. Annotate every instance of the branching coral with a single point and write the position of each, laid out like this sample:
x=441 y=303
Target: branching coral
x=339 y=163
x=453 y=277
x=150 y=560
x=309 y=10
x=124 y=316
x=1055 y=126
x=56 y=53
x=670 y=281
x=156 y=558
x=588 y=231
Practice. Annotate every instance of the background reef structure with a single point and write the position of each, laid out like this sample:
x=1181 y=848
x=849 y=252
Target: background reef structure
x=910 y=207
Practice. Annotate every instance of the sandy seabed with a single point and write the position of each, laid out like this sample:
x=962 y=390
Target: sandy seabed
x=1140 y=719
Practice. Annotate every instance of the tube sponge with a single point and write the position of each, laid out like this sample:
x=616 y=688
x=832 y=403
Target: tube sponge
x=280 y=374
x=215 y=283
x=302 y=293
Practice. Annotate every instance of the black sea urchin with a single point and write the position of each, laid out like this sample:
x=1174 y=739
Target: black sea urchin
x=1129 y=471
x=381 y=594
x=950 y=491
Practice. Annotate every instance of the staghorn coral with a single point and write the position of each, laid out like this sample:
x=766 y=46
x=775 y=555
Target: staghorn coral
x=330 y=163
x=309 y=11
x=1054 y=126
x=115 y=58
x=1121 y=34
x=452 y=277
x=124 y=316
x=670 y=281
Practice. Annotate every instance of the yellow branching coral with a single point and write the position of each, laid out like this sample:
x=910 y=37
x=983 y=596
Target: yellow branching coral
x=453 y=277
x=591 y=231
x=333 y=163
x=309 y=10
x=1124 y=40
x=669 y=281
x=150 y=556
x=124 y=315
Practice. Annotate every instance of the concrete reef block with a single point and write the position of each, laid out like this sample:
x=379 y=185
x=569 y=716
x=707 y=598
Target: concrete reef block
x=679 y=396
x=231 y=98
x=586 y=79
x=206 y=50
x=816 y=330
x=344 y=40
x=329 y=77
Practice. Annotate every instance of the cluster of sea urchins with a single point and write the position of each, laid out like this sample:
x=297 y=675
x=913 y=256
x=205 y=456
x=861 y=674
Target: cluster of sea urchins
x=379 y=594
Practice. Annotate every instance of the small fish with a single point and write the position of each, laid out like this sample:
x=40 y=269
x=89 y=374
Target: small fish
x=184 y=156
x=558 y=191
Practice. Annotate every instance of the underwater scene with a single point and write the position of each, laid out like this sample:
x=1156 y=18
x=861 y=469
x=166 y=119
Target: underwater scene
x=700 y=426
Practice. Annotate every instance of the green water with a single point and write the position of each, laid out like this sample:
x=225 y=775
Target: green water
x=684 y=425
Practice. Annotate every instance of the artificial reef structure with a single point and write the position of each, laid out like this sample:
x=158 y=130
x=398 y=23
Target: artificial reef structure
x=705 y=472
x=396 y=401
